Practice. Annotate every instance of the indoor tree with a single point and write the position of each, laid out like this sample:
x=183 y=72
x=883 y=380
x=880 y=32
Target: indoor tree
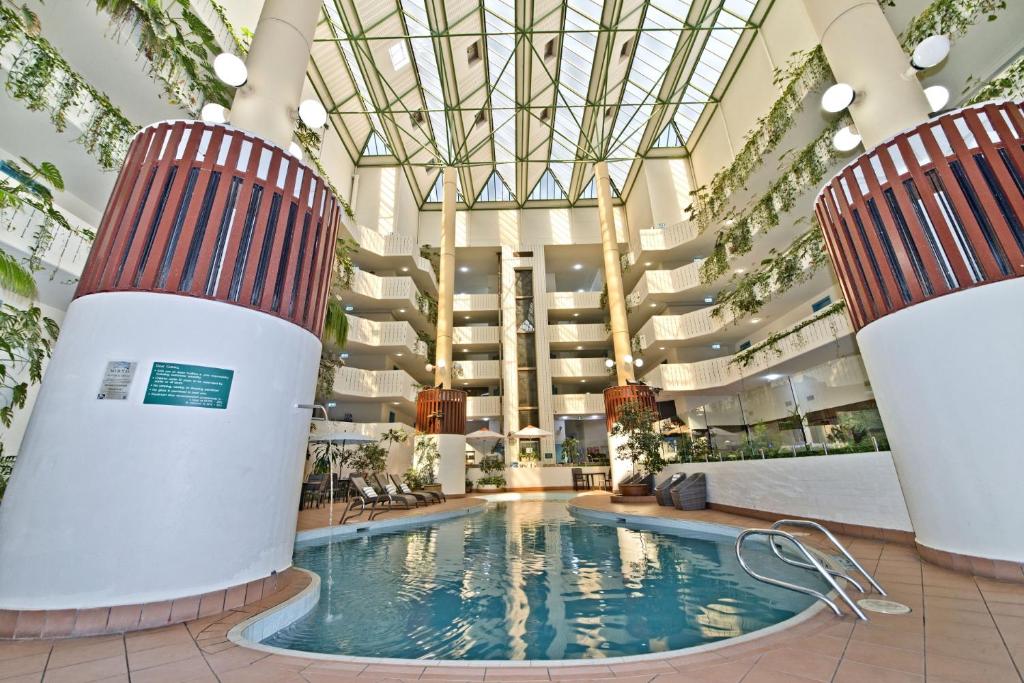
x=643 y=443
x=571 y=450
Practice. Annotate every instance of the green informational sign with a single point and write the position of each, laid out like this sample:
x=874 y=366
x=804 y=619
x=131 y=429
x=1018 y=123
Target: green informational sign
x=193 y=386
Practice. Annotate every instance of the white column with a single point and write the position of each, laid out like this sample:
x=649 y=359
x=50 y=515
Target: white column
x=613 y=273
x=446 y=281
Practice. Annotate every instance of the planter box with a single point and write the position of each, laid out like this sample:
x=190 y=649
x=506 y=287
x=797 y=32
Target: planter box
x=634 y=490
x=436 y=488
x=489 y=488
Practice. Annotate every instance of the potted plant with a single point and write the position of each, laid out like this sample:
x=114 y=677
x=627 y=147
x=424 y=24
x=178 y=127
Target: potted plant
x=492 y=481
x=571 y=450
x=642 y=445
x=425 y=458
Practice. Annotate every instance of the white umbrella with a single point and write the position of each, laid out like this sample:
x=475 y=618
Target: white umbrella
x=531 y=432
x=344 y=438
x=484 y=434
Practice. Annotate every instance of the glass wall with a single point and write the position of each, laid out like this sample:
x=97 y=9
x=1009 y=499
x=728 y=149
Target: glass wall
x=828 y=409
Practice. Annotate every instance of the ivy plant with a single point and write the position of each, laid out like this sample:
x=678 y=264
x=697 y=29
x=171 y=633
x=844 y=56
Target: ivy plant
x=747 y=356
x=642 y=445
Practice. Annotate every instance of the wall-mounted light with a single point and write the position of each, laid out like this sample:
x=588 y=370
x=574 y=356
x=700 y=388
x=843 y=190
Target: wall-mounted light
x=938 y=97
x=214 y=113
x=930 y=52
x=230 y=69
x=846 y=139
x=639 y=362
x=838 y=97
x=609 y=363
x=295 y=150
x=312 y=113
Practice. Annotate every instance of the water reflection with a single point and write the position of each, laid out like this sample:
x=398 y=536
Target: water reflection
x=525 y=580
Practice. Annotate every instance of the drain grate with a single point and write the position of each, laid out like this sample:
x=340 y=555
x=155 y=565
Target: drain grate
x=883 y=606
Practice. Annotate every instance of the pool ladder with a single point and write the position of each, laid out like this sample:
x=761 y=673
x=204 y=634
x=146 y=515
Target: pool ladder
x=813 y=563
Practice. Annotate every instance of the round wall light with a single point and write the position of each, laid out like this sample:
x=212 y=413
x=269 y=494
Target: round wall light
x=930 y=52
x=295 y=150
x=230 y=69
x=213 y=113
x=639 y=362
x=838 y=97
x=609 y=363
x=312 y=113
x=938 y=97
x=846 y=139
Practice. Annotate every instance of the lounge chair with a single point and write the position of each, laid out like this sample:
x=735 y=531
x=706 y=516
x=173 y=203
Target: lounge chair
x=363 y=494
x=385 y=486
x=692 y=493
x=431 y=496
x=663 y=491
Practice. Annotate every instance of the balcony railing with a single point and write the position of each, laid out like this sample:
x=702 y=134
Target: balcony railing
x=475 y=302
x=467 y=370
x=578 y=367
x=669 y=237
x=380 y=334
x=578 y=404
x=393 y=245
x=483 y=406
x=573 y=300
x=673 y=328
x=375 y=384
x=664 y=282
x=477 y=335
x=577 y=333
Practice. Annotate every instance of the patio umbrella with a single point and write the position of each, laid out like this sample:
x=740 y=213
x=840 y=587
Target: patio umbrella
x=344 y=438
x=484 y=434
x=531 y=432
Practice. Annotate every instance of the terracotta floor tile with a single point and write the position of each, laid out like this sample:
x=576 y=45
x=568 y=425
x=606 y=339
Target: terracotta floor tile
x=233 y=658
x=20 y=666
x=969 y=671
x=466 y=673
x=885 y=657
x=820 y=644
x=11 y=649
x=145 y=659
x=84 y=672
x=956 y=603
x=991 y=652
x=499 y=673
x=24 y=678
x=256 y=673
x=886 y=636
x=855 y=672
x=762 y=673
x=70 y=652
x=168 y=635
x=1007 y=608
x=190 y=670
x=980 y=634
x=800 y=663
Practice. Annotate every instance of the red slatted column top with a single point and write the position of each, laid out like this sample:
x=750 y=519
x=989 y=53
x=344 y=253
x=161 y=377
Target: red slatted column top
x=213 y=212
x=932 y=211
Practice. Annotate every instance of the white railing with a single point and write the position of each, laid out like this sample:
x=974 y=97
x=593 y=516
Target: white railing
x=385 y=333
x=382 y=384
x=482 y=334
x=578 y=367
x=578 y=404
x=667 y=328
x=475 y=302
x=371 y=429
x=664 y=282
x=669 y=237
x=483 y=406
x=477 y=369
x=573 y=300
x=395 y=245
x=380 y=288
x=574 y=333
x=719 y=372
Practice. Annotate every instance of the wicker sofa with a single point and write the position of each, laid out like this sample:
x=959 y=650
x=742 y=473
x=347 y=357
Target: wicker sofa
x=692 y=493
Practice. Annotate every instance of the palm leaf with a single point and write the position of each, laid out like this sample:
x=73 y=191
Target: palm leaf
x=335 y=324
x=15 y=278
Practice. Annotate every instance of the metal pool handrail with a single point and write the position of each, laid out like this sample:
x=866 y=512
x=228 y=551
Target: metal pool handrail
x=806 y=523
x=814 y=563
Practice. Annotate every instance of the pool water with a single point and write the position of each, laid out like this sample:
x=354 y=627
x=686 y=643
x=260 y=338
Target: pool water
x=527 y=580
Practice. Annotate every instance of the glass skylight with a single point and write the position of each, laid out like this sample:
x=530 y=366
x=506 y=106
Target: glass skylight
x=499 y=20
x=376 y=146
x=426 y=64
x=495 y=190
x=547 y=188
x=668 y=138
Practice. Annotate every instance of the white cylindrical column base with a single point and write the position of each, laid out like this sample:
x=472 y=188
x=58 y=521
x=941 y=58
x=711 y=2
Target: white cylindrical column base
x=451 y=465
x=947 y=374
x=121 y=502
x=621 y=467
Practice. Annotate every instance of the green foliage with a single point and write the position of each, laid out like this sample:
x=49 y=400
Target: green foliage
x=243 y=40
x=493 y=480
x=747 y=356
x=427 y=305
x=425 y=458
x=44 y=81
x=368 y=457
x=776 y=274
x=491 y=465
x=1009 y=84
x=329 y=365
x=950 y=17
x=692 y=448
x=856 y=428
x=26 y=341
x=335 y=324
x=643 y=443
x=16 y=278
x=571 y=450
x=806 y=71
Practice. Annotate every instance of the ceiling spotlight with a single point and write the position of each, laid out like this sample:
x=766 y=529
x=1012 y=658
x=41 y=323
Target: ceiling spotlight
x=709 y=299
x=578 y=266
x=754 y=321
x=579 y=348
x=401 y=310
x=463 y=269
x=312 y=113
x=343 y=356
x=214 y=113
x=628 y=358
x=938 y=97
x=639 y=362
x=580 y=290
x=716 y=346
x=609 y=363
x=771 y=376
x=295 y=150
x=465 y=350
x=429 y=367
x=930 y=52
x=230 y=69
x=350 y=308
x=399 y=355
x=583 y=381
x=405 y=269
x=846 y=139
x=575 y=315
x=647 y=264
x=654 y=305
x=661 y=348
x=467 y=317
x=837 y=98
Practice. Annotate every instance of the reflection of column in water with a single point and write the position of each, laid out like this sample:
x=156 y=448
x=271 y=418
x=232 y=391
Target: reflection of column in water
x=516 y=603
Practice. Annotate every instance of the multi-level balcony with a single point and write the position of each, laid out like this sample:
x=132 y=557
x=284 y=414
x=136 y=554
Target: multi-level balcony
x=354 y=384
x=476 y=338
x=657 y=288
x=392 y=252
x=475 y=308
x=579 y=370
x=384 y=294
x=480 y=407
x=577 y=307
x=396 y=338
x=578 y=404
x=476 y=372
x=578 y=336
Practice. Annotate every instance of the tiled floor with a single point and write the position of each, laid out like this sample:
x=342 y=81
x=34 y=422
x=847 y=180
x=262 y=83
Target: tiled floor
x=314 y=518
x=962 y=629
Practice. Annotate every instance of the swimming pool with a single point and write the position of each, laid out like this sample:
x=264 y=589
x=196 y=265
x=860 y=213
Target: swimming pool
x=527 y=580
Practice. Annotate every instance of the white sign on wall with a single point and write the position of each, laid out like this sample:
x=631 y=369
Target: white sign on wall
x=117 y=380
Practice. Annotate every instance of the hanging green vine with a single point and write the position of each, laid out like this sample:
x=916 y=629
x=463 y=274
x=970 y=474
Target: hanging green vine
x=776 y=274
x=427 y=305
x=1008 y=84
x=243 y=39
x=807 y=71
x=806 y=172
x=179 y=46
x=747 y=356
x=949 y=17
x=44 y=81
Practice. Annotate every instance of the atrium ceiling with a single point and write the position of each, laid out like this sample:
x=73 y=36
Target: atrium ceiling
x=524 y=96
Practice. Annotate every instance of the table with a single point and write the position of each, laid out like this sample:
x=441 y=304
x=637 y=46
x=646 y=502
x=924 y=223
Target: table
x=592 y=476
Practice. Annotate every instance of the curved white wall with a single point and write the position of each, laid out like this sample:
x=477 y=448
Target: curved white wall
x=947 y=375
x=117 y=502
